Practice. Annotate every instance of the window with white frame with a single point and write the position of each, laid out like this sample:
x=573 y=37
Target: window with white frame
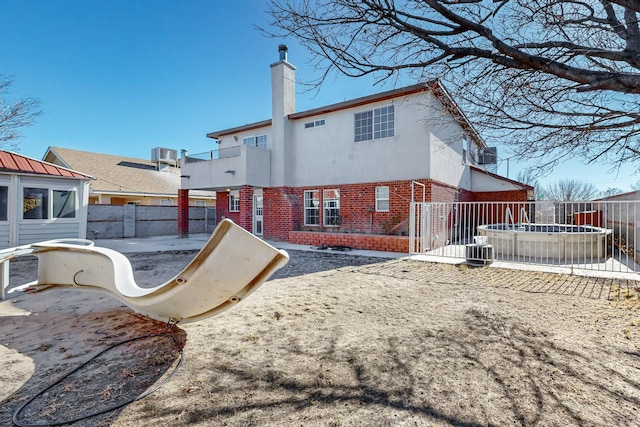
x=259 y=141
x=166 y=202
x=314 y=124
x=374 y=124
x=331 y=205
x=64 y=203
x=311 y=207
x=45 y=203
x=200 y=203
x=382 y=199
x=234 y=201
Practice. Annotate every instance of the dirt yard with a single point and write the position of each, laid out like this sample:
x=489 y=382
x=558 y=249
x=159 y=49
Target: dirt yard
x=333 y=340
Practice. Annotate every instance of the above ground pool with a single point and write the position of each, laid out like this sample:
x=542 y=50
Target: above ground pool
x=555 y=241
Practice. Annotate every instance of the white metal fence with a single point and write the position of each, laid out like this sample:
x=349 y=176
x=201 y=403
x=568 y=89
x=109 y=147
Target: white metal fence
x=594 y=235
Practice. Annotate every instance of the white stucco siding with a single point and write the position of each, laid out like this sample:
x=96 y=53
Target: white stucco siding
x=447 y=149
x=327 y=154
x=446 y=162
x=482 y=182
x=235 y=139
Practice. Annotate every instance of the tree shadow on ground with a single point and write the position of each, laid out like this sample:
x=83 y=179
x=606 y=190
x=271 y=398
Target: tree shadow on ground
x=43 y=343
x=483 y=370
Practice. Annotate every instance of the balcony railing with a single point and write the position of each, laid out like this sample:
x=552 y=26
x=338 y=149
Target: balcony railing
x=222 y=153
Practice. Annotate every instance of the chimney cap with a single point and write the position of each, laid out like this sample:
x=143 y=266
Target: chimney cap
x=282 y=50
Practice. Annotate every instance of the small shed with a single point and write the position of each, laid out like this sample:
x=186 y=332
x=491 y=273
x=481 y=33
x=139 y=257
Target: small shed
x=40 y=201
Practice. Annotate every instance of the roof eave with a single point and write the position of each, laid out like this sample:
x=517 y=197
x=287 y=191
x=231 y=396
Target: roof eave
x=238 y=129
x=40 y=175
x=390 y=94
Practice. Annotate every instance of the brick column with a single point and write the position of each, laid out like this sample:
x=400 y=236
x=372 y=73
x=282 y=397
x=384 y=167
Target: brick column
x=246 y=208
x=183 y=213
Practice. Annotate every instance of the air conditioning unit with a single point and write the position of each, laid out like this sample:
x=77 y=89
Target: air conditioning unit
x=488 y=156
x=164 y=155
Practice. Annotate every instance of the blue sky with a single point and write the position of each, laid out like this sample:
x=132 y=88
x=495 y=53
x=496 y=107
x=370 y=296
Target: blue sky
x=125 y=76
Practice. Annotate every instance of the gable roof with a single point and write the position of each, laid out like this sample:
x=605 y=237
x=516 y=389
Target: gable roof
x=119 y=174
x=11 y=162
x=433 y=86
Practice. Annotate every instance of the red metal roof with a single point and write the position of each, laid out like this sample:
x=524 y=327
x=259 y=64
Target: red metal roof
x=17 y=163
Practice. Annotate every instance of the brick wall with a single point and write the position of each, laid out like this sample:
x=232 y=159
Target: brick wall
x=183 y=213
x=284 y=209
x=245 y=217
x=371 y=242
x=282 y=212
x=514 y=201
x=358 y=208
x=500 y=196
x=222 y=208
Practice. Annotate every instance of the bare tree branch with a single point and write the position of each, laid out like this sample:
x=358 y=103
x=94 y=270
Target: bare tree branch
x=552 y=79
x=14 y=115
x=570 y=189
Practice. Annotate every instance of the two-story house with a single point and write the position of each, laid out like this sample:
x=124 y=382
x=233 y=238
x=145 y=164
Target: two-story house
x=349 y=166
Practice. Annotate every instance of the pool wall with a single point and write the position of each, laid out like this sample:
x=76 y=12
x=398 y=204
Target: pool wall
x=575 y=245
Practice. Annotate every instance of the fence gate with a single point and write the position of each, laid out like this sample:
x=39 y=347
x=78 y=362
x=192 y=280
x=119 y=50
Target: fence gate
x=591 y=235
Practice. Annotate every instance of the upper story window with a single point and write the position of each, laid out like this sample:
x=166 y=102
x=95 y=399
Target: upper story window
x=314 y=124
x=43 y=203
x=259 y=141
x=374 y=124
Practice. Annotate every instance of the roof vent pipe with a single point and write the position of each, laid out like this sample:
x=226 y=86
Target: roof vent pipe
x=282 y=50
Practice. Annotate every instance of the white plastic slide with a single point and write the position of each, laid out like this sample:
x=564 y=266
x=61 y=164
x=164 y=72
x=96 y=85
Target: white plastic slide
x=231 y=265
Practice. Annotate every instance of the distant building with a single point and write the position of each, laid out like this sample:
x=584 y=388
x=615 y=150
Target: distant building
x=40 y=201
x=124 y=180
